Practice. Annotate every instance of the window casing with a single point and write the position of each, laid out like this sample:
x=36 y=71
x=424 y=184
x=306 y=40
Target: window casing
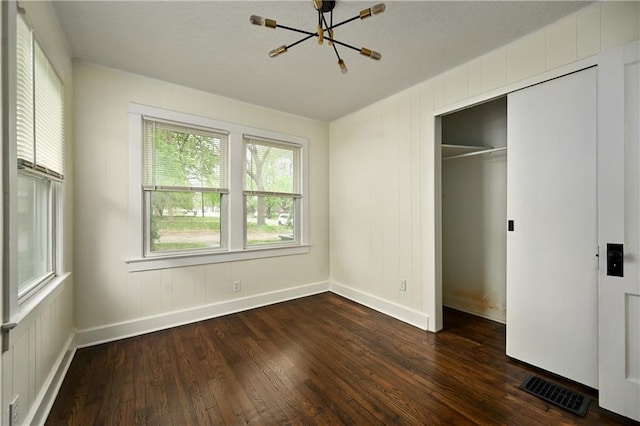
x=40 y=163
x=217 y=211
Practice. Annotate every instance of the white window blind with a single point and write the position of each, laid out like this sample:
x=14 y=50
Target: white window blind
x=49 y=115
x=24 y=110
x=178 y=158
x=40 y=110
x=272 y=168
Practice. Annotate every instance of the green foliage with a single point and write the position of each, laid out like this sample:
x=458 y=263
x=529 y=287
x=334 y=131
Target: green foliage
x=254 y=227
x=162 y=201
x=155 y=232
x=270 y=168
x=184 y=159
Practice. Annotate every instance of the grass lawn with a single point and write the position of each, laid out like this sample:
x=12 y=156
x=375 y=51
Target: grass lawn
x=176 y=246
x=195 y=223
x=186 y=223
x=192 y=225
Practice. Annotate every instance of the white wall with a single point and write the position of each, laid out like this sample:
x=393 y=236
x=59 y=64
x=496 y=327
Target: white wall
x=42 y=339
x=474 y=213
x=383 y=182
x=112 y=302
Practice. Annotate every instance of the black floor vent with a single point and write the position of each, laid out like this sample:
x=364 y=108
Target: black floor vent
x=557 y=395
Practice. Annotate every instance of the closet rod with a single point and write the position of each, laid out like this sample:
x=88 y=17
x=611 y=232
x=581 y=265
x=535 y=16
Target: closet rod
x=471 y=154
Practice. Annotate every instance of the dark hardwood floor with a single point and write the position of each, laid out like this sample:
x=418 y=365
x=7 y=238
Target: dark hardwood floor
x=316 y=360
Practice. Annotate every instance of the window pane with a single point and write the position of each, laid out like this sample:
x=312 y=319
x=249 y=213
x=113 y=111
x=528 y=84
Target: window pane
x=271 y=167
x=270 y=220
x=34 y=231
x=181 y=157
x=184 y=220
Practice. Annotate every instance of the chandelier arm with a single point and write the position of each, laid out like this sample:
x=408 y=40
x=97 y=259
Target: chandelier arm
x=284 y=27
x=336 y=50
x=343 y=44
x=300 y=41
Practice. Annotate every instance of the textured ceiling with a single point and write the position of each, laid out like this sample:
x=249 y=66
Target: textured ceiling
x=211 y=46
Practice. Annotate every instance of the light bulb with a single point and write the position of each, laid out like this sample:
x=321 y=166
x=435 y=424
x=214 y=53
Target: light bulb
x=278 y=51
x=343 y=67
x=320 y=35
x=370 y=53
x=378 y=8
x=317 y=4
x=256 y=20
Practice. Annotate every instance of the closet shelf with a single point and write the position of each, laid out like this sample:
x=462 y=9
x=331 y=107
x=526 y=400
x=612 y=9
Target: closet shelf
x=450 y=151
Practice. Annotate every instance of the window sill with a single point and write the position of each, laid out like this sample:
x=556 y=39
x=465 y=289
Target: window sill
x=31 y=303
x=176 y=261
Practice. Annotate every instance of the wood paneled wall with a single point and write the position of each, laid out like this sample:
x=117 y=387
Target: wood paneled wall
x=384 y=180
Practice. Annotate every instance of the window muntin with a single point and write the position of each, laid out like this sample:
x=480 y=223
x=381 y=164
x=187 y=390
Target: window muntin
x=184 y=184
x=271 y=191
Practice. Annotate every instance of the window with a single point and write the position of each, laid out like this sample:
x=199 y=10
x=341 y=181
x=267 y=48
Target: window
x=205 y=191
x=40 y=158
x=272 y=191
x=34 y=231
x=184 y=182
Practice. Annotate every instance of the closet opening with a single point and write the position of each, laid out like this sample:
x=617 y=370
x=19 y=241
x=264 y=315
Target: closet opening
x=474 y=211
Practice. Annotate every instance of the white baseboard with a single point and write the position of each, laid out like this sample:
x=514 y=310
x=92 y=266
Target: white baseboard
x=93 y=336
x=108 y=333
x=402 y=313
x=44 y=401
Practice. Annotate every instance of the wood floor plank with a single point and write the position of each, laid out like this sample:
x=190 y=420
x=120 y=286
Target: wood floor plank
x=316 y=360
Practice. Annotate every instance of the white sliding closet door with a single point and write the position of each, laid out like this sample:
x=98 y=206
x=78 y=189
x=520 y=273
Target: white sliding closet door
x=552 y=276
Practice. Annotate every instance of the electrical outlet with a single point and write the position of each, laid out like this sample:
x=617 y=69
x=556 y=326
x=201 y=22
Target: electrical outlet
x=13 y=412
x=403 y=285
x=237 y=286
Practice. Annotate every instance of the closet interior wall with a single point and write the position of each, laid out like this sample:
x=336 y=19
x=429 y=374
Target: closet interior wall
x=474 y=211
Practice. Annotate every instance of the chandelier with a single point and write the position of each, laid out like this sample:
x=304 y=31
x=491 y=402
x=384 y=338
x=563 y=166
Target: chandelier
x=324 y=30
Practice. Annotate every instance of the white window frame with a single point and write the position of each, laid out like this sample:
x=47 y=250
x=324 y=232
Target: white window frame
x=52 y=207
x=234 y=246
x=223 y=207
x=297 y=199
x=17 y=304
